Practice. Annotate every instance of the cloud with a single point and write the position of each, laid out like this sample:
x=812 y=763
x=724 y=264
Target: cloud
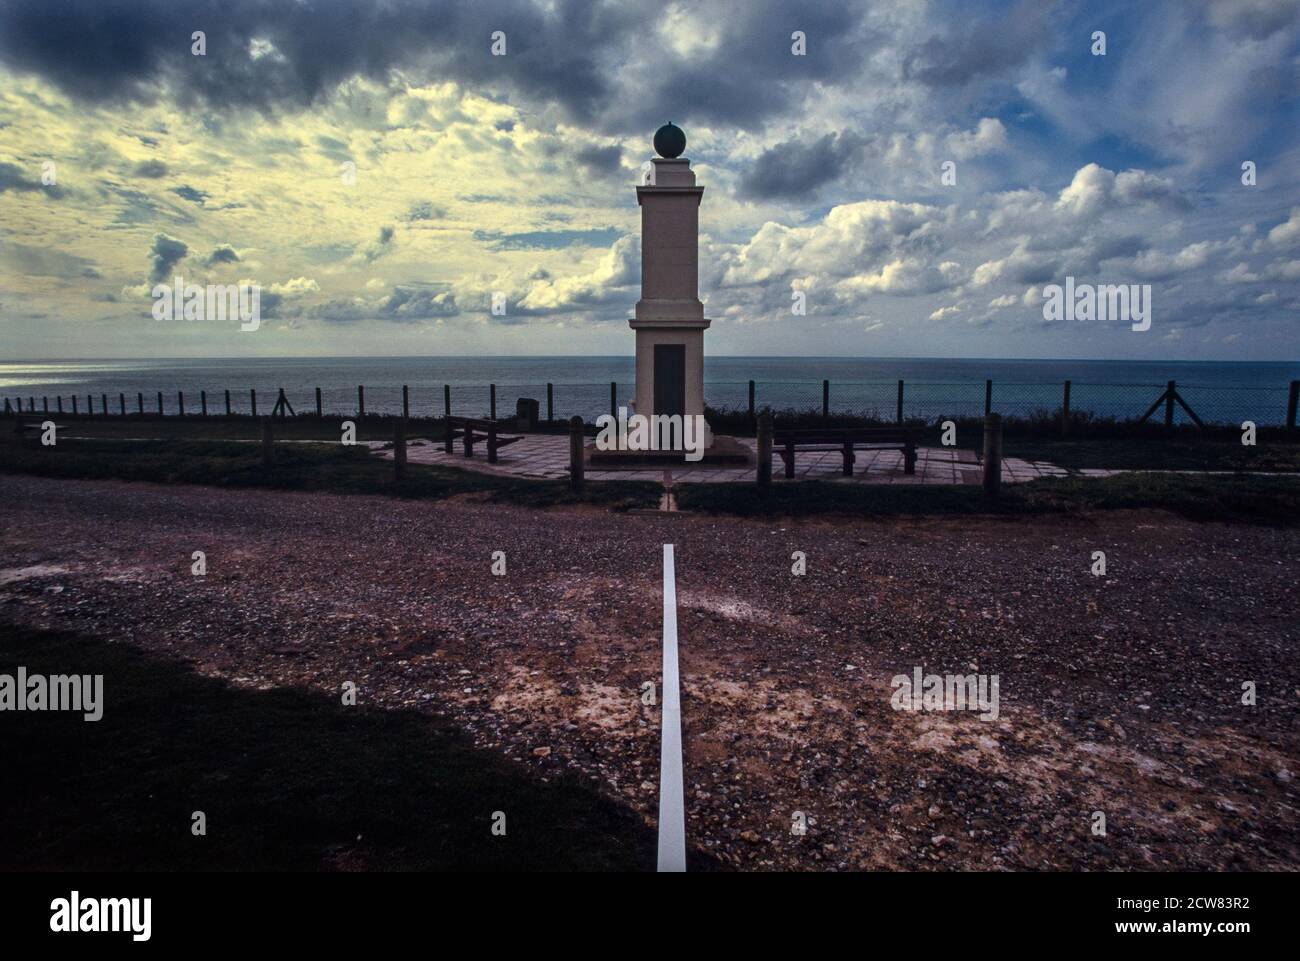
x=166 y=253
x=13 y=178
x=796 y=169
x=152 y=169
x=224 y=254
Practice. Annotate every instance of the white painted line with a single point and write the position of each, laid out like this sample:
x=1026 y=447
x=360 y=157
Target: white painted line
x=672 y=809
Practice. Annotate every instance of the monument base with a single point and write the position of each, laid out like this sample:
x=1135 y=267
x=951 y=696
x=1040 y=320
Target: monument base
x=724 y=451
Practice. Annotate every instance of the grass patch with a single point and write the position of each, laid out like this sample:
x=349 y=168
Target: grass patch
x=289 y=779
x=1242 y=498
x=331 y=468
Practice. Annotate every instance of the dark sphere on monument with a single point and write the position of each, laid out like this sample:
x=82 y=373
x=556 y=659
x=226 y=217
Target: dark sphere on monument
x=670 y=141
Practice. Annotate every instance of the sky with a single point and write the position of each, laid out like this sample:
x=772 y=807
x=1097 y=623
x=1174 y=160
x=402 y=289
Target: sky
x=918 y=172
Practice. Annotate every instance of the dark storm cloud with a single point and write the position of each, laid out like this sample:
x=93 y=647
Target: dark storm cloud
x=166 y=253
x=13 y=178
x=224 y=254
x=601 y=161
x=796 y=169
x=967 y=51
x=192 y=194
x=153 y=169
x=602 y=63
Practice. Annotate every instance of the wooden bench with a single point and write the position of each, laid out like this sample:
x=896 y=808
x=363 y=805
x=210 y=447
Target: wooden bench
x=846 y=440
x=471 y=430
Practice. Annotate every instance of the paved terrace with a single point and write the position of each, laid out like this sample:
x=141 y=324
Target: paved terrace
x=547 y=456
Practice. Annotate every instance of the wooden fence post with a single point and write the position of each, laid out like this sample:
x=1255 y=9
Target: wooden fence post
x=227 y=403
x=992 y=454
x=1065 y=411
x=361 y=400
x=826 y=400
x=103 y=403
x=59 y=401
x=180 y=403
x=399 y=449
x=319 y=409
x=90 y=405
x=1292 y=401
x=268 y=443
x=203 y=403
x=751 y=404
x=74 y=405
x=613 y=399
x=446 y=400
x=45 y=404
x=575 y=454
x=550 y=402
x=139 y=403
x=160 y=404
x=252 y=396
x=1169 y=405
x=764 y=451
x=121 y=403
x=899 y=416
x=988 y=397
x=492 y=401
x=406 y=401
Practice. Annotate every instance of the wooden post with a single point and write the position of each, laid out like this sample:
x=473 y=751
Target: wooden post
x=575 y=455
x=45 y=404
x=492 y=442
x=180 y=402
x=203 y=403
x=992 y=454
x=121 y=403
x=90 y=405
x=319 y=410
x=139 y=403
x=59 y=402
x=1065 y=411
x=1169 y=405
x=446 y=400
x=74 y=404
x=751 y=403
x=103 y=403
x=613 y=399
x=826 y=400
x=988 y=397
x=764 y=451
x=361 y=400
x=492 y=401
x=550 y=403
x=1291 y=403
x=399 y=449
x=160 y=404
x=268 y=443
x=899 y=416
x=252 y=396
x=406 y=401
x=227 y=403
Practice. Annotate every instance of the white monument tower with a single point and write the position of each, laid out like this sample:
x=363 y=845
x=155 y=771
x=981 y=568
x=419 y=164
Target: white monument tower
x=670 y=321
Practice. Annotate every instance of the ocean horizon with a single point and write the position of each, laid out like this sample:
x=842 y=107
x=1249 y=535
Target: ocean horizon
x=1221 y=391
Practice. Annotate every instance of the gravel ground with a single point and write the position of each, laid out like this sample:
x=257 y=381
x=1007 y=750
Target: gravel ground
x=1119 y=694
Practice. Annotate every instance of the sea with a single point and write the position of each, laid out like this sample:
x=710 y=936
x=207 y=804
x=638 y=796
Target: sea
x=933 y=388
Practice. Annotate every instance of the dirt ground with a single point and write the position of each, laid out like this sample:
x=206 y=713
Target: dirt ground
x=1119 y=694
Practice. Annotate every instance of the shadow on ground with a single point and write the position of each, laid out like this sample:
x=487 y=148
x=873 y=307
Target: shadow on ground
x=289 y=779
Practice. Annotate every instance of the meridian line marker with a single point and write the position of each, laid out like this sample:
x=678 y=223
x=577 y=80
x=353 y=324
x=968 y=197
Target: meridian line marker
x=672 y=818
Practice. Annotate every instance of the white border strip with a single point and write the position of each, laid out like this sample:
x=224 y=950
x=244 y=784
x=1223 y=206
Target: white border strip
x=672 y=818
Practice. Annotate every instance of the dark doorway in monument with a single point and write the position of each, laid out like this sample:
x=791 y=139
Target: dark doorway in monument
x=670 y=379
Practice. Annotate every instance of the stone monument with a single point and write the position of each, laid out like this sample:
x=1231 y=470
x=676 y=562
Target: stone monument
x=669 y=320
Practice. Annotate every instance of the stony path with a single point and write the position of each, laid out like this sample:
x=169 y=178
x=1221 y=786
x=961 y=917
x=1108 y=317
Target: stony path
x=1118 y=694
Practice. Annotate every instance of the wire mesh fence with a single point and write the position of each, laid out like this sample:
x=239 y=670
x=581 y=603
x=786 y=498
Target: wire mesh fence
x=887 y=401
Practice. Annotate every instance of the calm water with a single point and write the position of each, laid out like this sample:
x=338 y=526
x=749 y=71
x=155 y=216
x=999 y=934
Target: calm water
x=1228 y=392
